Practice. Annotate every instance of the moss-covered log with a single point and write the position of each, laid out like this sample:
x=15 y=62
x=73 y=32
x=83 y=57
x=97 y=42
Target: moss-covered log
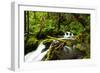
x=56 y=50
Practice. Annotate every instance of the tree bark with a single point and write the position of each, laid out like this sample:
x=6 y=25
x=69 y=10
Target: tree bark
x=59 y=20
x=34 y=17
x=24 y=21
x=28 y=22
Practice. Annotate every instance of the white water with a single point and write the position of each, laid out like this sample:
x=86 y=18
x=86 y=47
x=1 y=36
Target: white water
x=36 y=55
x=68 y=35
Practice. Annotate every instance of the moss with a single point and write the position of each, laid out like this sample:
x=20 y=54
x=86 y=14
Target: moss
x=54 y=50
x=31 y=44
x=69 y=43
x=83 y=43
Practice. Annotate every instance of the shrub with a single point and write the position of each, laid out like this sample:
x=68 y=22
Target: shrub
x=31 y=44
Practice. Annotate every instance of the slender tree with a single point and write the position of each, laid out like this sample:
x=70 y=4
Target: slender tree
x=59 y=16
x=24 y=21
x=34 y=17
x=28 y=22
x=41 y=26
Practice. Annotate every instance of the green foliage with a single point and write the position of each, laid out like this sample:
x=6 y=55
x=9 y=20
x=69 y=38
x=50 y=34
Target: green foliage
x=76 y=27
x=31 y=44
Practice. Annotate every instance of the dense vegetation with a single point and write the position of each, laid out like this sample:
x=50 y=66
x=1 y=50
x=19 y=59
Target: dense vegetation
x=49 y=26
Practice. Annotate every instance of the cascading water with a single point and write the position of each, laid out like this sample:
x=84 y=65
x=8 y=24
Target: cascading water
x=36 y=55
x=68 y=35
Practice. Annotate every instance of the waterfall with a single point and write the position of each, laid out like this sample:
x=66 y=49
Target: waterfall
x=68 y=35
x=36 y=55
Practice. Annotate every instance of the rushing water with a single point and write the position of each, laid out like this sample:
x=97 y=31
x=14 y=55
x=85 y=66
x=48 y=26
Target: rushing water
x=68 y=35
x=36 y=55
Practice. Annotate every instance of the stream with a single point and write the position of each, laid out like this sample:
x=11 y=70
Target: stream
x=37 y=55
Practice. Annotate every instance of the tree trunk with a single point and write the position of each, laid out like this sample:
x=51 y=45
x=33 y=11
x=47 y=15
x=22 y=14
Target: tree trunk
x=34 y=17
x=59 y=21
x=41 y=27
x=24 y=21
x=28 y=23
